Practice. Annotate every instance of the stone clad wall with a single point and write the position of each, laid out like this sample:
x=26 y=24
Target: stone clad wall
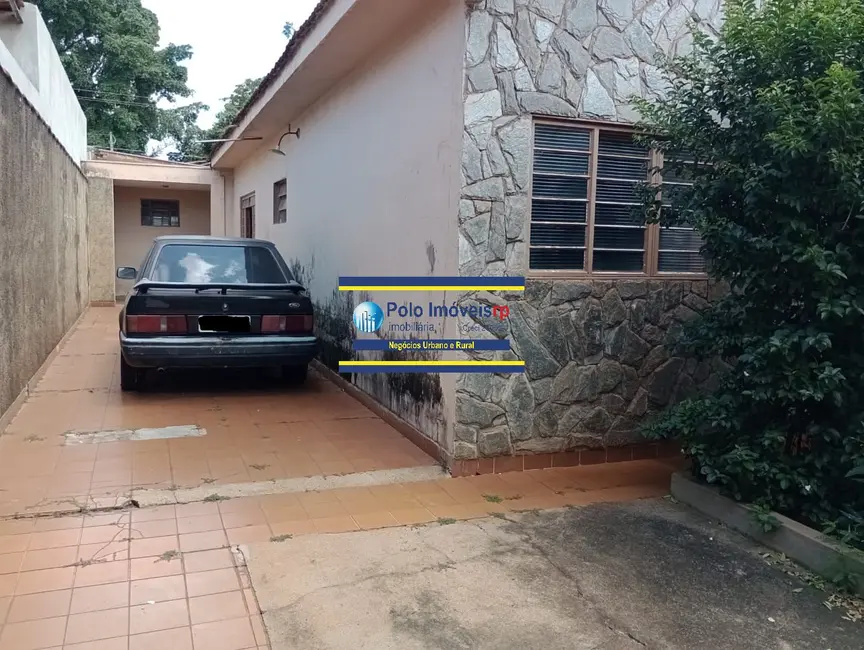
x=594 y=351
x=597 y=362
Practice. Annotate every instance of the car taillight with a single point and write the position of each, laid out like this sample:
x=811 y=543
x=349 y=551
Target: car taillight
x=156 y=324
x=272 y=324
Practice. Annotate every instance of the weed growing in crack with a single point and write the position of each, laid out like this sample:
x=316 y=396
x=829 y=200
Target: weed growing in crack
x=167 y=556
x=446 y=521
x=207 y=481
x=280 y=538
x=210 y=498
x=492 y=498
x=33 y=438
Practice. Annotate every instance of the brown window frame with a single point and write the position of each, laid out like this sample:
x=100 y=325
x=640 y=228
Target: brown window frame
x=651 y=245
x=280 y=191
x=247 y=221
x=170 y=211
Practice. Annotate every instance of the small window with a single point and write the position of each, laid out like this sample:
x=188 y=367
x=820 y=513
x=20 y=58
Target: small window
x=280 y=198
x=585 y=206
x=160 y=213
x=206 y=264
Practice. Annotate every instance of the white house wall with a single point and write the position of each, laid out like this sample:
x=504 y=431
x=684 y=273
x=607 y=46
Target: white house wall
x=373 y=189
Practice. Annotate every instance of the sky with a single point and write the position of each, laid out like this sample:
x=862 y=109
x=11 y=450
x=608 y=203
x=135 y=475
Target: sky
x=232 y=40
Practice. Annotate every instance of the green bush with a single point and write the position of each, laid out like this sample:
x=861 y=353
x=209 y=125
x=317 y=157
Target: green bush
x=771 y=117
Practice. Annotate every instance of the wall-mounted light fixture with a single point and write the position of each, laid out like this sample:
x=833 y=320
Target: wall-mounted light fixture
x=278 y=149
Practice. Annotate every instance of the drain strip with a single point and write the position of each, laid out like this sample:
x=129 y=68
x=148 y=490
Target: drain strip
x=117 y=435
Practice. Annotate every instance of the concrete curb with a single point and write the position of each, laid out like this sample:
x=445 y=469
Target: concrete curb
x=810 y=548
x=151 y=497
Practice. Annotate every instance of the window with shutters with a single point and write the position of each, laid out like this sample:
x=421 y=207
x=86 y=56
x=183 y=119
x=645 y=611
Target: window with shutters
x=280 y=198
x=586 y=215
x=160 y=213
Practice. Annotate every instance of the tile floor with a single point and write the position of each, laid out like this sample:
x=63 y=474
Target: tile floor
x=171 y=576
x=255 y=430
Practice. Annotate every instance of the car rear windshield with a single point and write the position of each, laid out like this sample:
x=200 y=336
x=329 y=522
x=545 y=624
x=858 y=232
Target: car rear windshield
x=207 y=264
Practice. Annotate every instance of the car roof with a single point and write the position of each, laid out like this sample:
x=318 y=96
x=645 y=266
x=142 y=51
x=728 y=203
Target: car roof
x=207 y=239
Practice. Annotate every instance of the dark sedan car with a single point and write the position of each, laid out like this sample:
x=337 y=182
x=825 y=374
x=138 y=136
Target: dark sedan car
x=214 y=302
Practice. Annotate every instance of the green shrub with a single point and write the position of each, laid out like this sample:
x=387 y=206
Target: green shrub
x=772 y=115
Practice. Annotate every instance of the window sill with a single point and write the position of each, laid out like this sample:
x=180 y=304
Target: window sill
x=577 y=275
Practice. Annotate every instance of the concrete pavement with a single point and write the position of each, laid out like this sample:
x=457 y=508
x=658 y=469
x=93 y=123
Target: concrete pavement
x=644 y=574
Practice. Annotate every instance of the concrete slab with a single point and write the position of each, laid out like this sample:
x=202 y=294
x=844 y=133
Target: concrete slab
x=613 y=576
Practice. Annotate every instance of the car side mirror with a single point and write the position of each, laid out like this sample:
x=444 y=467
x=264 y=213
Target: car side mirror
x=126 y=273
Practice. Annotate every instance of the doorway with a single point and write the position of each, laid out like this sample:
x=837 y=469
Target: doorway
x=247 y=216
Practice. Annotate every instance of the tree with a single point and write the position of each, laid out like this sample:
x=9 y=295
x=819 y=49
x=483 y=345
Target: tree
x=234 y=103
x=771 y=116
x=185 y=148
x=288 y=30
x=110 y=50
x=182 y=124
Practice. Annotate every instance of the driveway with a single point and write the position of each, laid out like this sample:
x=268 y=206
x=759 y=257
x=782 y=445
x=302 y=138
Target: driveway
x=644 y=574
x=223 y=430
x=171 y=576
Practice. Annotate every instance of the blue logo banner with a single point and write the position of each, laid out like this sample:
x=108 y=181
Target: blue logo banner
x=432 y=345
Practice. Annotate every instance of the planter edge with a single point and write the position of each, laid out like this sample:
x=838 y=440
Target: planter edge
x=808 y=547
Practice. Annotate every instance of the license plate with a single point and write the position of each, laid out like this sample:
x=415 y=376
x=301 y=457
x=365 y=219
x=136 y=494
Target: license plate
x=224 y=324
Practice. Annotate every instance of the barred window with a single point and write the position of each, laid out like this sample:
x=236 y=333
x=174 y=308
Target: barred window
x=280 y=201
x=160 y=213
x=585 y=209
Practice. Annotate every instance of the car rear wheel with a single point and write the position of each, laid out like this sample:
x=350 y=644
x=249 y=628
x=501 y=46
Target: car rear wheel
x=130 y=378
x=295 y=374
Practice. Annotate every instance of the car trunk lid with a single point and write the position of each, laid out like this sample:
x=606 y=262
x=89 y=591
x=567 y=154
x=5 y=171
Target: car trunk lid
x=223 y=309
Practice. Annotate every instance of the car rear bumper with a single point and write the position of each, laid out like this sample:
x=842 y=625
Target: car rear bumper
x=217 y=352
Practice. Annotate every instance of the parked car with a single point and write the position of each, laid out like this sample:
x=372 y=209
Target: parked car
x=214 y=302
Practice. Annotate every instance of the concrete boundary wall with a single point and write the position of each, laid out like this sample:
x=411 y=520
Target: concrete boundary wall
x=44 y=260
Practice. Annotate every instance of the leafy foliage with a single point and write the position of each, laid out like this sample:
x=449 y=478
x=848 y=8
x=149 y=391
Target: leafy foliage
x=110 y=50
x=772 y=116
x=233 y=105
x=288 y=30
x=187 y=147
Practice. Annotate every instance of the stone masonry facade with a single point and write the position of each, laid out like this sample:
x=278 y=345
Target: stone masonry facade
x=596 y=353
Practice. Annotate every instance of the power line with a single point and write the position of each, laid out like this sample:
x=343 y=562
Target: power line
x=116 y=102
x=108 y=93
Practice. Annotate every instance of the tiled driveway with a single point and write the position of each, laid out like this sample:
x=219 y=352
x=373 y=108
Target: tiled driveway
x=259 y=433
x=172 y=576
